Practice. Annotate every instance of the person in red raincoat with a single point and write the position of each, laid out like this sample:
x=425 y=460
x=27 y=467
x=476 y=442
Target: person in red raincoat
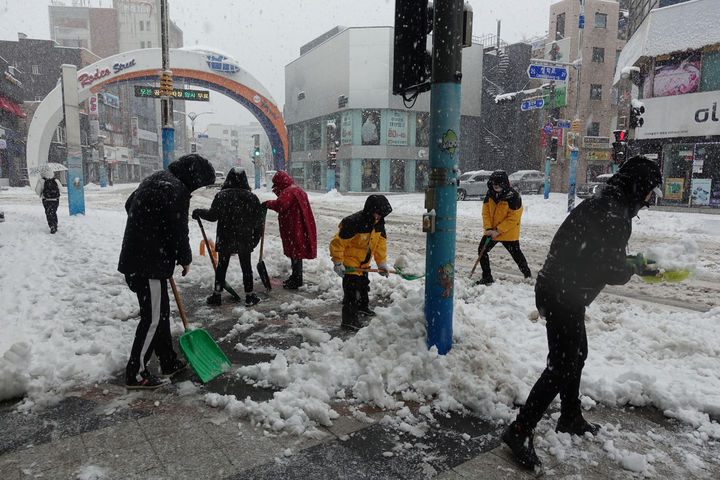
x=297 y=225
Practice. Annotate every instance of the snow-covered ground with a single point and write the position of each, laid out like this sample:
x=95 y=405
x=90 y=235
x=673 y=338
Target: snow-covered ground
x=62 y=303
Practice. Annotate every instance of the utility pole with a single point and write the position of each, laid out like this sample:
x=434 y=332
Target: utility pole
x=441 y=197
x=576 y=122
x=75 y=182
x=166 y=90
x=549 y=145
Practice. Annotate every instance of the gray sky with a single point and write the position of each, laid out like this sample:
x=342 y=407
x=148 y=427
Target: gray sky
x=266 y=35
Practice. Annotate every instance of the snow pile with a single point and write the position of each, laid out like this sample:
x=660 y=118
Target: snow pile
x=681 y=255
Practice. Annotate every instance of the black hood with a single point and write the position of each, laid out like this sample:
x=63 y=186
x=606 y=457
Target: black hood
x=193 y=170
x=236 y=178
x=499 y=177
x=637 y=177
x=377 y=204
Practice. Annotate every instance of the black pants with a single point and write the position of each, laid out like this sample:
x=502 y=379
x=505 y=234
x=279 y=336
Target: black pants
x=296 y=276
x=567 y=345
x=222 y=266
x=355 y=295
x=512 y=247
x=51 y=207
x=153 y=331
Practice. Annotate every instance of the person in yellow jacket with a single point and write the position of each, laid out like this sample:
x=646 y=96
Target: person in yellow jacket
x=501 y=211
x=360 y=237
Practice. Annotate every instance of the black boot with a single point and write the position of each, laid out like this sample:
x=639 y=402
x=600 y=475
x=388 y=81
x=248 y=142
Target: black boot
x=485 y=281
x=251 y=299
x=214 y=299
x=520 y=442
x=576 y=425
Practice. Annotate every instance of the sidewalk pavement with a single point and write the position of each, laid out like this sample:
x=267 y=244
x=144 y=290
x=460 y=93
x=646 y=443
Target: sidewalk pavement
x=105 y=432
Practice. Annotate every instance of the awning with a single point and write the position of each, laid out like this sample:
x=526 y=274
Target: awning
x=677 y=28
x=11 y=107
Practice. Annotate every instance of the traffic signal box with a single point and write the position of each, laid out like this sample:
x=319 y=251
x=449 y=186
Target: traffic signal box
x=619 y=146
x=411 y=61
x=636 y=119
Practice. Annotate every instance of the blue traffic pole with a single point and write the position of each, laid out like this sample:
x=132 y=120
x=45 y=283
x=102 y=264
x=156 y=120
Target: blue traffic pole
x=257 y=177
x=573 y=174
x=441 y=196
x=546 y=194
x=168 y=143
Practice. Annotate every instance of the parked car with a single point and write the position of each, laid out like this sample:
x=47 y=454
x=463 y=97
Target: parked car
x=587 y=190
x=473 y=184
x=527 y=181
x=219 y=179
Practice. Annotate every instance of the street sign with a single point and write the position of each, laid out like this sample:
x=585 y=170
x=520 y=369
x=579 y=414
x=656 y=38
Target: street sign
x=564 y=123
x=547 y=128
x=177 y=93
x=547 y=73
x=531 y=104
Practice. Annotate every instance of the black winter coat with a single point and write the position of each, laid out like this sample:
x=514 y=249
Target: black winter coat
x=238 y=213
x=156 y=232
x=588 y=250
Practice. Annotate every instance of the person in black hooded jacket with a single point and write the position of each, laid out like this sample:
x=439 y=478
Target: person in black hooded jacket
x=155 y=240
x=240 y=221
x=361 y=236
x=587 y=253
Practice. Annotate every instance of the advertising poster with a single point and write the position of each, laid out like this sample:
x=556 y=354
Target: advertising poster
x=676 y=79
x=715 y=195
x=346 y=129
x=397 y=128
x=700 y=188
x=674 y=188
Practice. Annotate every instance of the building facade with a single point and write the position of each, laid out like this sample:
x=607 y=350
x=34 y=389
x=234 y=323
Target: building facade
x=671 y=67
x=594 y=99
x=340 y=112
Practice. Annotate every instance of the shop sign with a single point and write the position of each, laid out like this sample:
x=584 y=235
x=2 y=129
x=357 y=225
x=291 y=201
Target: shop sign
x=89 y=78
x=674 y=188
x=601 y=155
x=700 y=191
x=596 y=142
x=346 y=129
x=397 y=128
x=698 y=165
x=110 y=100
x=688 y=115
x=93 y=105
x=134 y=131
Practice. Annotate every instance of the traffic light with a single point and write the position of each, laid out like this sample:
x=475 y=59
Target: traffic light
x=619 y=146
x=553 y=149
x=411 y=61
x=635 y=116
x=257 y=152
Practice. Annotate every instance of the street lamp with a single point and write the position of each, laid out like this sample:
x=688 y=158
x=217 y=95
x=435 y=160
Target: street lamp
x=192 y=116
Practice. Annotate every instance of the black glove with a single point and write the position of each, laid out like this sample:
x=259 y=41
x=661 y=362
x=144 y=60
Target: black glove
x=264 y=205
x=196 y=214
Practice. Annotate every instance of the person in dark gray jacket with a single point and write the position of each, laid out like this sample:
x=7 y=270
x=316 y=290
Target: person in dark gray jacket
x=240 y=221
x=587 y=253
x=155 y=240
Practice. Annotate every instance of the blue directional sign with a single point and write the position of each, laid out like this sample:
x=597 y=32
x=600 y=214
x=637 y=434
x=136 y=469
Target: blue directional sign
x=531 y=104
x=564 y=123
x=547 y=73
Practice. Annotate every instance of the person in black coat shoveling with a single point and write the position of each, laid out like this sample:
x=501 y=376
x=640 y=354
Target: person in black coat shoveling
x=155 y=240
x=587 y=253
x=240 y=221
x=48 y=188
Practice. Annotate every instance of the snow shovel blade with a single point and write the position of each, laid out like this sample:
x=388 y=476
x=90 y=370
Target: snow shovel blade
x=671 y=276
x=262 y=271
x=407 y=276
x=203 y=354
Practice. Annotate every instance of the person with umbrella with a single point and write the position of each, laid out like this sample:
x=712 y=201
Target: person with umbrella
x=239 y=215
x=48 y=188
x=155 y=240
x=297 y=225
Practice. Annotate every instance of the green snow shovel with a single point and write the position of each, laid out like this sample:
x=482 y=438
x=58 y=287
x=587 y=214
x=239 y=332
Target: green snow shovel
x=200 y=350
x=397 y=271
x=227 y=286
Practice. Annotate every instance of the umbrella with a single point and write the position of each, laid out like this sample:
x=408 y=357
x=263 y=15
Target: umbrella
x=55 y=167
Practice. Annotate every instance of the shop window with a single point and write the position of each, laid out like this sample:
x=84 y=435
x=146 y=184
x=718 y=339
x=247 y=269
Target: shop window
x=314 y=137
x=421 y=175
x=705 y=181
x=397 y=175
x=601 y=20
x=422 y=130
x=142 y=44
x=595 y=91
x=593 y=129
x=560 y=26
x=149 y=44
x=370 y=175
x=710 y=80
x=370 y=130
x=677 y=172
x=598 y=55
x=142 y=26
x=297 y=140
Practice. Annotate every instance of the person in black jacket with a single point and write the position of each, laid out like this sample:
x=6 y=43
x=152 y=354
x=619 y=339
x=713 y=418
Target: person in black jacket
x=155 y=240
x=48 y=188
x=587 y=253
x=240 y=220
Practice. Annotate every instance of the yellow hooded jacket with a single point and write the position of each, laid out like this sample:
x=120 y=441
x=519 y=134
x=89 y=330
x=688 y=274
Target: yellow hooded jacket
x=502 y=210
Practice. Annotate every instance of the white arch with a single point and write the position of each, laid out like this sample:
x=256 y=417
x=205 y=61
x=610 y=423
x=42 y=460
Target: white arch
x=50 y=112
